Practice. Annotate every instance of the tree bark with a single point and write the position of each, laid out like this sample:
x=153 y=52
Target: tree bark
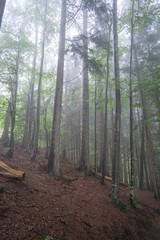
x=116 y=155
x=46 y=104
x=141 y=175
x=66 y=137
x=131 y=112
x=95 y=127
x=11 y=173
x=84 y=162
x=35 y=147
x=5 y=135
x=105 y=142
x=25 y=131
x=31 y=121
x=12 y=104
x=2 y=7
x=53 y=161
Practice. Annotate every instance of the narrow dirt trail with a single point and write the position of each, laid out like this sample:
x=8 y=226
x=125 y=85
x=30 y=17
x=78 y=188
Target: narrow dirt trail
x=40 y=207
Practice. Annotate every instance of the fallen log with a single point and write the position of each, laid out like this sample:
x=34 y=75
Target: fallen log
x=11 y=173
x=110 y=179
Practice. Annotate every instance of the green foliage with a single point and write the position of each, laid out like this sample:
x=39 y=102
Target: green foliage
x=135 y=203
x=68 y=181
x=48 y=238
x=15 y=225
x=122 y=50
x=30 y=228
x=120 y=205
x=3 y=109
x=1 y=188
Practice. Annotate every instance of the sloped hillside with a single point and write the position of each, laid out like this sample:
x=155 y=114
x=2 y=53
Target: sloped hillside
x=77 y=208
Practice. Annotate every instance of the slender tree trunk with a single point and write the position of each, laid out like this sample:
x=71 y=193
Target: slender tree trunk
x=46 y=133
x=141 y=184
x=31 y=123
x=35 y=147
x=116 y=155
x=66 y=138
x=5 y=135
x=112 y=135
x=105 y=142
x=137 y=154
x=128 y=160
x=2 y=7
x=79 y=136
x=53 y=161
x=25 y=131
x=95 y=127
x=13 y=105
x=46 y=104
x=125 y=159
x=84 y=162
x=157 y=98
x=131 y=113
x=146 y=173
x=100 y=121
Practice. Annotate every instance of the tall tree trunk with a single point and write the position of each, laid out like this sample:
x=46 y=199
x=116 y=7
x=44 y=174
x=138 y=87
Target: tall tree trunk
x=84 y=162
x=128 y=160
x=131 y=112
x=157 y=98
x=53 y=161
x=111 y=134
x=14 y=89
x=100 y=138
x=35 y=147
x=30 y=137
x=105 y=142
x=79 y=135
x=137 y=155
x=95 y=127
x=46 y=104
x=25 y=131
x=141 y=184
x=5 y=135
x=146 y=173
x=116 y=155
x=66 y=137
x=125 y=159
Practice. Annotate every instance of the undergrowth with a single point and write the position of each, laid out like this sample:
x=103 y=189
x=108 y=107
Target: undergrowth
x=124 y=208
x=1 y=188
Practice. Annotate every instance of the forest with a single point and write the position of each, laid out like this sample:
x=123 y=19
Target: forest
x=80 y=119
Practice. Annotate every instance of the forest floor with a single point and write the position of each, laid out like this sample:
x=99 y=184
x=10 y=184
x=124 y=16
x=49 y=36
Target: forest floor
x=39 y=207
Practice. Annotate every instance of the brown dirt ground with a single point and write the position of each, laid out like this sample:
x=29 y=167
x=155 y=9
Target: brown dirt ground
x=40 y=207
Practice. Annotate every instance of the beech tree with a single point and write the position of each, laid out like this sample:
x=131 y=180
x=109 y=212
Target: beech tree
x=84 y=161
x=36 y=136
x=5 y=135
x=53 y=161
x=105 y=157
x=28 y=138
x=131 y=107
x=116 y=154
x=12 y=104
